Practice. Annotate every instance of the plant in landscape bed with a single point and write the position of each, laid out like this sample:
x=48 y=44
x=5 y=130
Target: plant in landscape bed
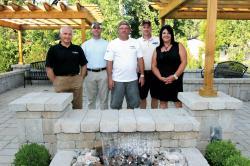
x=32 y=155
x=237 y=160
x=217 y=152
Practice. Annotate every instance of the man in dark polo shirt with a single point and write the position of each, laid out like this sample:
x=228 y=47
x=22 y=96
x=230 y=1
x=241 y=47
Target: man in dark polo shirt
x=66 y=66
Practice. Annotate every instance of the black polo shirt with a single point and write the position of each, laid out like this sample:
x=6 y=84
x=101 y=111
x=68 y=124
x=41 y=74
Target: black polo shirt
x=65 y=61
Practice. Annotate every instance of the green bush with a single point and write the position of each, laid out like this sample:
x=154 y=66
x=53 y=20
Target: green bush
x=32 y=155
x=237 y=160
x=218 y=152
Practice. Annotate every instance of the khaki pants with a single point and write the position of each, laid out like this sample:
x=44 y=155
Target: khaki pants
x=97 y=87
x=70 y=84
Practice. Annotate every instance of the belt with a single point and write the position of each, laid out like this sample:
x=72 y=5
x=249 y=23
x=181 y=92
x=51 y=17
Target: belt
x=97 y=69
x=68 y=75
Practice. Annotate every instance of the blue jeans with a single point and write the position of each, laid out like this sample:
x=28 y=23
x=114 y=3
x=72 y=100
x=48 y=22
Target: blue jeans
x=129 y=90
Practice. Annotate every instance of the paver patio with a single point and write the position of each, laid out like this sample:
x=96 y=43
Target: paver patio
x=8 y=127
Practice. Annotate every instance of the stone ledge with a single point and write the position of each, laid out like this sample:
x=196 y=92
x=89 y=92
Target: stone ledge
x=41 y=101
x=126 y=121
x=63 y=158
x=196 y=102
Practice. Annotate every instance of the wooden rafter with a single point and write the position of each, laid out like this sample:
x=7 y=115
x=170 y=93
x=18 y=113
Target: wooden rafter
x=10 y=25
x=32 y=7
x=63 y=6
x=171 y=6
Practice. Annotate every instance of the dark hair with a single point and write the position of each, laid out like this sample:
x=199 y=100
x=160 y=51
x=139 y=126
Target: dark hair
x=170 y=30
x=144 y=22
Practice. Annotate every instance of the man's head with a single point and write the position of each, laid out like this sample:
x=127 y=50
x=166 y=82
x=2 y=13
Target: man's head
x=146 y=28
x=124 y=30
x=66 y=34
x=96 y=29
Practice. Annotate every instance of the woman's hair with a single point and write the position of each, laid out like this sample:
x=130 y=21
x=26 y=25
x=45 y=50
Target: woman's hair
x=170 y=30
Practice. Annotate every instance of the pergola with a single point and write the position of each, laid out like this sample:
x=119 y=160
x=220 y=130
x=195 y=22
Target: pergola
x=33 y=17
x=204 y=9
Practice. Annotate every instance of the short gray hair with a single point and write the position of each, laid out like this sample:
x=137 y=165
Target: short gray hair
x=66 y=27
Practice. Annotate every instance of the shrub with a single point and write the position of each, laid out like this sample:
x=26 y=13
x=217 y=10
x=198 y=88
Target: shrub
x=32 y=155
x=237 y=160
x=218 y=152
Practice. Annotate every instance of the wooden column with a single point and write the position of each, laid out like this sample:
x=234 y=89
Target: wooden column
x=20 y=49
x=83 y=29
x=208 y=90
x=162 y=21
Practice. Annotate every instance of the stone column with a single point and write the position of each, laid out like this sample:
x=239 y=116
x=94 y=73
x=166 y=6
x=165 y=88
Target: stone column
x=20 y=67
x=211 y=112
x=36 y=114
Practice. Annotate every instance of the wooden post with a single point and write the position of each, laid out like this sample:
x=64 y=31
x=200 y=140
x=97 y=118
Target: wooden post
x=162 y=21
x=208 y=90
x=20 y=49
x=83 y=29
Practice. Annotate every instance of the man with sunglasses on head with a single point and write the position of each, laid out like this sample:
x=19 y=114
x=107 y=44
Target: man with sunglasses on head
x=96 y=81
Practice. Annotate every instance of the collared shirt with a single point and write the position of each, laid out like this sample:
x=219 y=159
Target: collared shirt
x=65 y=60
x=124 y=55
x=148 y=47
x=95 y=51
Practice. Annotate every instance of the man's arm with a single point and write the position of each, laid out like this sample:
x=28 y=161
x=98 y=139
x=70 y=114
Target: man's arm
x=83 y=71
x=109 y=72
x=141 y=70
x=50 y=74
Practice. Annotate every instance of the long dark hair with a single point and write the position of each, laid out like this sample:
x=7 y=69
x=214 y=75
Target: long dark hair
x=170 y=30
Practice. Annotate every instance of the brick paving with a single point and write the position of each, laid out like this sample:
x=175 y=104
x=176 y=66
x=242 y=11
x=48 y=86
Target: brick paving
x=8 y=127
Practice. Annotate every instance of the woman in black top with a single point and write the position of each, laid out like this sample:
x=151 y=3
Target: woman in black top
x=168 y=63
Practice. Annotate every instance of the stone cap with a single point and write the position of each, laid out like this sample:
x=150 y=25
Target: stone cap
x=79 y=121
x=196 y=102
x=41 y=101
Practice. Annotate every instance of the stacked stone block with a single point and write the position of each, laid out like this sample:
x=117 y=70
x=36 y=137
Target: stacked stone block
x=36 y=115
x=211 y=112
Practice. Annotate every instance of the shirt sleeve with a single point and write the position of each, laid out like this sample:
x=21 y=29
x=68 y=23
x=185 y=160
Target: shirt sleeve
x=109 y=55
x=49 y=59
x=139 y=50
x=83 y=60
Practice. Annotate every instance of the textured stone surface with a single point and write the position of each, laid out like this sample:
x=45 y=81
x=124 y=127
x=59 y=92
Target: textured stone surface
x=58 y=102
x=144 y=121
x=163 y=122
x=196 y=102
x=194 y=157
x=63 y=158
x=127 y=121
x=71 y=122
x=109 y=121
x=91 y=121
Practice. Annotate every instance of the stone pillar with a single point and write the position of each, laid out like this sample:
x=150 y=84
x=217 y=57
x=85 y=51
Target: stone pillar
x=211 y=112
x=20 y=67
x=36 y=114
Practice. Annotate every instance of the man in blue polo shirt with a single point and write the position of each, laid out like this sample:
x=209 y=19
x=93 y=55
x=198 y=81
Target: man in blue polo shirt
x=96 y=80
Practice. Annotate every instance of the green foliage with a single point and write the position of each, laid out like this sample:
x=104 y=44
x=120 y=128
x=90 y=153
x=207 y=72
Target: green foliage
x=237 y=160
x=32 y=155
x=8 y=49
x=218 y=152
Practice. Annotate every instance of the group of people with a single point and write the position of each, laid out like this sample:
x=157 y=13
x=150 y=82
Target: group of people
x=128 y=67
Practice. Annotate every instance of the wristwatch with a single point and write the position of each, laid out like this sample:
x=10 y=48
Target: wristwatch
x=142 y=75
x=175 y=76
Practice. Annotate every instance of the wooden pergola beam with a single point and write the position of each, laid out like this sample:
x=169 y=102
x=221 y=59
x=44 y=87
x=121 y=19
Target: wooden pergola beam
x=173 y=4
x=63 y=6
x=202 y=15
x=10 y=25
x=16 y=7
x=32 y=7
x=49 y=27
x=47 y=6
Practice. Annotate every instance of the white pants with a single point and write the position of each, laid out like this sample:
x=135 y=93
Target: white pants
x=96 y=84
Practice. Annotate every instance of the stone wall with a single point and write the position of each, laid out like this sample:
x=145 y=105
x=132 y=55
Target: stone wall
x=235 y=87
x=36 y=114
x=48 y=118
x=211 y=112
x=11 y=80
